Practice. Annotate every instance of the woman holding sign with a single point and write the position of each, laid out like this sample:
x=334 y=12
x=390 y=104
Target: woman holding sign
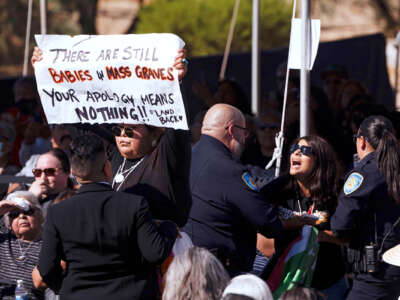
x=152 y=161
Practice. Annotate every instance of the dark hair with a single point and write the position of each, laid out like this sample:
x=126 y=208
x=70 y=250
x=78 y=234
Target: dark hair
x=62 y=157
x=380 y=134
x=68 y=193
x=302 y=293
x=87 y=155
x=324 y=178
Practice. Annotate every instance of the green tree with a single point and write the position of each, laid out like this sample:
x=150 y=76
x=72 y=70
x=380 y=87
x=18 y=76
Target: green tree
x=204 y=24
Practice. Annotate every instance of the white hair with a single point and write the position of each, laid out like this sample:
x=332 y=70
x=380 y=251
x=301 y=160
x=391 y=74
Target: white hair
x=195 y=274
x=28 y=196
x=248 y=285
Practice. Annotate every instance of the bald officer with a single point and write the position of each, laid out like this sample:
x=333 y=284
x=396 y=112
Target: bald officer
x=227 y=210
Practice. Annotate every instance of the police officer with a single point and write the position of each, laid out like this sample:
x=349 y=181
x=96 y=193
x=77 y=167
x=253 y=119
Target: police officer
x=227 y=210
x=368 y=212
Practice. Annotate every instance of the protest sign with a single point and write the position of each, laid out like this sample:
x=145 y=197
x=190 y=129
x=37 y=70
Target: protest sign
x=110 y=79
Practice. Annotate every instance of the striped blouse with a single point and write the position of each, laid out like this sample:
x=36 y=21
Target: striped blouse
x=12 y=268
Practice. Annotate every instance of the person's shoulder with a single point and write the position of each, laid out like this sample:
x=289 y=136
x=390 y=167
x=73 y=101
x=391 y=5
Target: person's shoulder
x=363 y=178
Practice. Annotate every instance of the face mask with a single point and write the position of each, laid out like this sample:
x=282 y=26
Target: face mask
x=26 y=106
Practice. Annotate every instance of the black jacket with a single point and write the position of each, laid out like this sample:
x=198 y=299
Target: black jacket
x=110 y=244
x=365 y=206
x=226 y=214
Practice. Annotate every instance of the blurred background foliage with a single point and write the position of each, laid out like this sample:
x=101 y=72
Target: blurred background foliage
x=204 y=24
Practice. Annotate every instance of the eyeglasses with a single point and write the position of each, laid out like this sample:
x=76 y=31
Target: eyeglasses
x=356 y=136
x=305 y=150
x=15 y=213
x=117 y=131
x=246 y=131
x=47 y=172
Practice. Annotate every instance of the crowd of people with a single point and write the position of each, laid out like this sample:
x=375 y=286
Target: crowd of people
x=110 y=205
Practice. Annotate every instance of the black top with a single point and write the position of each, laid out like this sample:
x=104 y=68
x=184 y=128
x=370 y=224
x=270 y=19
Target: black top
x=363 y=199
x=162 y=177
x=226 y=213
x=109 y=242
x=330 y=266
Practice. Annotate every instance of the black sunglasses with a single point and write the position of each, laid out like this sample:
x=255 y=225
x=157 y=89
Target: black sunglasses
x=305 y=150
x=245 y=130
x=15 y=213
x=117 y=131
x=47 y=172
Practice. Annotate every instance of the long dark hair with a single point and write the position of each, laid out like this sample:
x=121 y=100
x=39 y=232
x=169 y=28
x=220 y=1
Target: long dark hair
x=380 y=134
x=323 y=180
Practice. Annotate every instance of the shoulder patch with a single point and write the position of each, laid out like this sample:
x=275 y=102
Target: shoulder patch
x=249 y=181
x=353 y=182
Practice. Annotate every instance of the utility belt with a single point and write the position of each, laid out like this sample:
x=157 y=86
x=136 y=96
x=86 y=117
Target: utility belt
x=368 y=258
x=365 y=260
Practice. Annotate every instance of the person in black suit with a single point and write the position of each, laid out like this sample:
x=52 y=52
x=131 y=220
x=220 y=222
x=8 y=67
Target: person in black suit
x=108 y=239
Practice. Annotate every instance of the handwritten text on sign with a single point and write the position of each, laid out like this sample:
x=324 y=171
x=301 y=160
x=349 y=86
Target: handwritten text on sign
x=111 y=79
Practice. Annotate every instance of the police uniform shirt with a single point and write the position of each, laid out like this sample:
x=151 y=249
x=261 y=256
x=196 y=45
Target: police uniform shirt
x=364 y=205
x=227 y=209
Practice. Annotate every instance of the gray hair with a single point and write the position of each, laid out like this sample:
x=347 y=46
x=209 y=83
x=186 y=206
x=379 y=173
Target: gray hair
x=195 y=274
x=28 y=196
x=248 y=285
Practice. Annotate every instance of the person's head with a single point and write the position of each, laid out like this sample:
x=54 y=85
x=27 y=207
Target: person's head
x=7 y=138
x=333 y=78
x=135 y=141
x=376 y=134
x=228 y=125
x=313 y=163
x=195 y=274
x=89 y=160
x=52 y=171
x=230 y=92
x=268 y=125
x=248 y=285
x=60 y=137
x=350 y=89
x=26 y=95
x=302 y=293
x=26 y=220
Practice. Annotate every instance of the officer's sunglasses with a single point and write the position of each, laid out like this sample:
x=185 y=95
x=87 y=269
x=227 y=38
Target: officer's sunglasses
x=15 y=213
x=48 y=172
x=117 y=131
x=304 y=150
x=245 y=130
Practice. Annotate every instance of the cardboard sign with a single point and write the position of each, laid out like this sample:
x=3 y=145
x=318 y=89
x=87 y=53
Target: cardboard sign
x=110 y=79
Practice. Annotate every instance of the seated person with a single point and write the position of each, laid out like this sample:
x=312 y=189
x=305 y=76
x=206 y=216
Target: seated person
x=20 y=244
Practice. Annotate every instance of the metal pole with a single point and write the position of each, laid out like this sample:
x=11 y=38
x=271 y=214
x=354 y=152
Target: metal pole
x=255 y=54
x=229 y=41
x=27 y=39
x=305 y=64
x=43 y=17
